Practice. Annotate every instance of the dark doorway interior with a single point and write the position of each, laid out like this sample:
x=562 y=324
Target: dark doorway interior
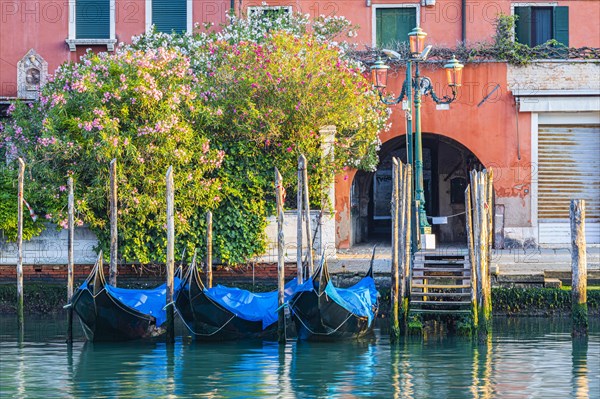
x=445 y=176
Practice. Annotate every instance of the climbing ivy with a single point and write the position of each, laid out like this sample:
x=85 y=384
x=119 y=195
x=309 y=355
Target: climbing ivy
x=503 y=47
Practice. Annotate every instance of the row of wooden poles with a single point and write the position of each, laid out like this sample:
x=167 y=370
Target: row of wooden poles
x=479 y=226
x=303 y=207
x=478 y=201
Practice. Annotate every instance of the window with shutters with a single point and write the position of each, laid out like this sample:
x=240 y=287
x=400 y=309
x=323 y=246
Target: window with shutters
x=92 y=19
x=537 y=25
x=393 y=24
x=91 y=23
x=170 y=16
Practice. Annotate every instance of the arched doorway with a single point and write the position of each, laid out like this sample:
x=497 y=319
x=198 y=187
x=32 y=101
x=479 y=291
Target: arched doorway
x=446 y=164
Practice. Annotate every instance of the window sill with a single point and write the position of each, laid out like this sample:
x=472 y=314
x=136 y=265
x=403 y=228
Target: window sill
x=109 y=43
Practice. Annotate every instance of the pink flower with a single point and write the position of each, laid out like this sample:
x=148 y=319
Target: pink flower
x=289 y=149
x=62 y=188
x=48 y=216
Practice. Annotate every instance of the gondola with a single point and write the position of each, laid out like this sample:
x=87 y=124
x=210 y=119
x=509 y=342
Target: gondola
x=223 y=314
x=323 y=312
x=109 y=313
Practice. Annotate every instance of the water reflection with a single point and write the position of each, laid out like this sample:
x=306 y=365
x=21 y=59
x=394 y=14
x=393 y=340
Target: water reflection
x=580 y=369
x=525 y=359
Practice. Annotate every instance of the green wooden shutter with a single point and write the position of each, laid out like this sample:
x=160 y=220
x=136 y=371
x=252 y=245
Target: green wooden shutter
x=169 y=15
x=393 y=25
x=523 y=25
x=561 y=25
x=92 y=19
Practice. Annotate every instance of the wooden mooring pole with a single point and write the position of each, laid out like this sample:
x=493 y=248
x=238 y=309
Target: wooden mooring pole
x=280 y=257
x=21 y=179
x=306 y=203
x=480 y=224
x=112 y=274
x=485 y=213
x=394 y=288
x=70 y=260
x=209 y=239
x=579 y=309
x=472 y=262
x=299 y=232
x=170 y=255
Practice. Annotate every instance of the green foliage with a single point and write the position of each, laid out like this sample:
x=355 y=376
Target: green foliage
x=8 y=209
x=224 y=108
x=138 y=107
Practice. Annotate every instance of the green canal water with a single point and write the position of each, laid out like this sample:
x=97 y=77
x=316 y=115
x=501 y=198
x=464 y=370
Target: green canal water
x=526 y=358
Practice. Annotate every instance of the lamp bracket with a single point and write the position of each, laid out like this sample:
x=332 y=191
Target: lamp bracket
x=426 y=87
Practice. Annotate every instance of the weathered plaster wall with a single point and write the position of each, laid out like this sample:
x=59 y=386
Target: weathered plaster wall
x=488 y=130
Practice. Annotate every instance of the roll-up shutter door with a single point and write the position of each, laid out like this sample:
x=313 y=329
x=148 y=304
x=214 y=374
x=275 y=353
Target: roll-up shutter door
x=569 y=168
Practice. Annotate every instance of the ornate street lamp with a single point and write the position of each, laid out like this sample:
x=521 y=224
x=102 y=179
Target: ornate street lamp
x=421 y=86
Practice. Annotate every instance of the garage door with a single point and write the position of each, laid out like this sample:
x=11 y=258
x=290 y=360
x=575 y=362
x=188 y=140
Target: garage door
x=569 y=168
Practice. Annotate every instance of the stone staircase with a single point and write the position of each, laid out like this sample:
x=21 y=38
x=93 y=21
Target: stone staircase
x=441 y=283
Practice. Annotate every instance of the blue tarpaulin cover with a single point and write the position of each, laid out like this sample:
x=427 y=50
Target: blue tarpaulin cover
x=249 y=305
x=358 y=299
x=150 y=302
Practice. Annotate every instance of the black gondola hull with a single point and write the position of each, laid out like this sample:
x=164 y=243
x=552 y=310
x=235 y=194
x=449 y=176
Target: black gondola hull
x=322 y=319
x=209 y=321
x=104 y=319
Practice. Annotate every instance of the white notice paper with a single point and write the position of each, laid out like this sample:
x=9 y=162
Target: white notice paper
x=439 y=220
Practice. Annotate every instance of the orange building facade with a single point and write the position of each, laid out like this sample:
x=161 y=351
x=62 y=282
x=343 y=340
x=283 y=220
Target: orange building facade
x=515 y=120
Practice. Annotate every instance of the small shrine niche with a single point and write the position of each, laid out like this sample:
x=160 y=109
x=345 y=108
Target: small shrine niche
x=32 y=74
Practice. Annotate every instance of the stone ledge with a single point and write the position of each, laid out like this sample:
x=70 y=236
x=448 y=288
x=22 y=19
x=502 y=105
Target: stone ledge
x=109 y=43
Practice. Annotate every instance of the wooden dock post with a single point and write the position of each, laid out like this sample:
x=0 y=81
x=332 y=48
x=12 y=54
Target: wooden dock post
x=21 y=179
x=170 y=255
x=407 y=252
x=112 y=274
x=579 y=309
x=394 y=287
x=480 y=225
x=472 y=260
x=280 y=257
x=70 y=260
x=299 y=233
x=485 y=223
x=209 y=239
x=306 y=203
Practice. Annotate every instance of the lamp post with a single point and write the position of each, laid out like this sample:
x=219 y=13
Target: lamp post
x=421 y=86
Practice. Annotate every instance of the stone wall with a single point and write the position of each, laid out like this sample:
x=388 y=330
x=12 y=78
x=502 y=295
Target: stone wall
x=50 y=248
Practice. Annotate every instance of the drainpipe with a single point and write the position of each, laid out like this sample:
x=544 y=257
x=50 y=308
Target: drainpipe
x=464 y=21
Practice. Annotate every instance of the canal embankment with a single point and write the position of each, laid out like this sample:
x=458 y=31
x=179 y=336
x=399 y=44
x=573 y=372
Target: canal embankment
x=522 y=295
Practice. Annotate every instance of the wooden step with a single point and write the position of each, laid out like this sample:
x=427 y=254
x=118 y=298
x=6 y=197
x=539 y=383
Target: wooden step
x=439 y=303
x=441 y=294
x=441 y=277
x=442 y=286
x=441 y=311
x=441 y=269
x=442 y=262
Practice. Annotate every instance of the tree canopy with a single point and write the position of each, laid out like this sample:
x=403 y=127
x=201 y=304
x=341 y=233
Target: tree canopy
x=222 y=107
